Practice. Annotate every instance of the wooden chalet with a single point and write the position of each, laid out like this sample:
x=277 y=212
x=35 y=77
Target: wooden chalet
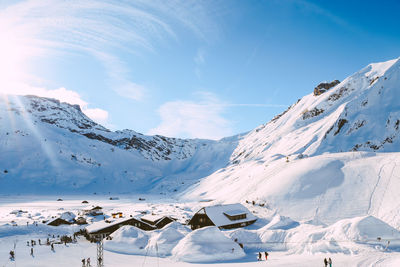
x=94 y=211
x=103 y=229
x=58 y=221
x=157 y=221
x=80 y=220
x=223 y=216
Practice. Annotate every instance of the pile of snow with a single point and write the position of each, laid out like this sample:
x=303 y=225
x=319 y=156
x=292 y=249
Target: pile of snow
x=365 y=230
x=162 y=242
x=281 y=222
x=132 y=240
x=345 y=236
x=250 y=239
x=128 y=240
x=207 y=244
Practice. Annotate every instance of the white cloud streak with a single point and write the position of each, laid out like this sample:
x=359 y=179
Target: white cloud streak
x=101 y=29
x=190 y=119
x=203 y=118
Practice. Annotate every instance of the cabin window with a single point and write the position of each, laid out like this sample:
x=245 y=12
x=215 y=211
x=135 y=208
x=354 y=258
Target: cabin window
x=201 y=220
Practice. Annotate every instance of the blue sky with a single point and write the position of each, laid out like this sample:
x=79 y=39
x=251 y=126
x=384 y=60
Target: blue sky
x=198 y=69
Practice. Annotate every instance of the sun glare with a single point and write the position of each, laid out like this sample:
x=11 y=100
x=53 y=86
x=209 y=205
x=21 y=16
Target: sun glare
x=15 y=50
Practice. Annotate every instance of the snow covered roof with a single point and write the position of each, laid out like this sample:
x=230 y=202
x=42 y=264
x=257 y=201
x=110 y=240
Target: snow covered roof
x=234 y=212
x=68 y=216
x=152 y=218
x=217 y=216
x=92 y=207
x=97 y=226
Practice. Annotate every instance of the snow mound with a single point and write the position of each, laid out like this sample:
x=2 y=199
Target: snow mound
x=207 y=244
x=281 y=222
x=248 y=238
x=128 y=240
x=364 y=229
x=348 y=236
x=132 y=240
x=162 y=243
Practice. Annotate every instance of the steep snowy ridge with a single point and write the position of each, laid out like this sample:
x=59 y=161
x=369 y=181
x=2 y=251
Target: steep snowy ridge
x=360 y=113
x=70 y=117
x=328 y=157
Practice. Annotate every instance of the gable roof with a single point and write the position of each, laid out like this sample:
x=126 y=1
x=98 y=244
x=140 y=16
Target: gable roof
x=152 y=218
x=101 y=225
x=217 y=216
x=58 y=221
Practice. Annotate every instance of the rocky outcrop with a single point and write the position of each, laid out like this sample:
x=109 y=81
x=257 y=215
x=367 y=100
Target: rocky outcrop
x=323 y=87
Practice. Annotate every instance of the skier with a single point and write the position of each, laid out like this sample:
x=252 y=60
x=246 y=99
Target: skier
x=88 y=262
x=325 y=262
x=259 y=256
x=32 y=252
x=330 y=262
x=266 y=255
x=12 y=255
x=83 y=263
x=52 y=247
x=40 y=242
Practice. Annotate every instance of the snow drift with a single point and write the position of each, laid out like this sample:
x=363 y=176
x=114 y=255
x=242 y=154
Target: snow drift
x=207 y=245
x=132 y=240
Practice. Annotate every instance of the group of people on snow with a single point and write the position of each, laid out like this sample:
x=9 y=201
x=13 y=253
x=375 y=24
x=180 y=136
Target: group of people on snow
x=260 y=256
x=328 y=261
x=86 y=262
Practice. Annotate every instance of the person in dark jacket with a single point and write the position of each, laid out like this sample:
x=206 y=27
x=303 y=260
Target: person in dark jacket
x=259 y=256
x=12 y=255
x=266 y=255
x=325 y=262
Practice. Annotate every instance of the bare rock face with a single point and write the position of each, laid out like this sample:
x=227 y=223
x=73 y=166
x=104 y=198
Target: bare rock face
x=323 y=87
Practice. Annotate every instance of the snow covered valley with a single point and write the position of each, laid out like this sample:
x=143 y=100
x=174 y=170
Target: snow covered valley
x=349 y=242
x=322 y=178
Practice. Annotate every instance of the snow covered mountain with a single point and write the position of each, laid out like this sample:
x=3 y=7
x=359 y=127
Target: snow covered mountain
x=332 y=155
x=47 y=146
x=362 y=113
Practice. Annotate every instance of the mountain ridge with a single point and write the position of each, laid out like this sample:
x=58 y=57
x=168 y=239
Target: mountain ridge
x=329 y=156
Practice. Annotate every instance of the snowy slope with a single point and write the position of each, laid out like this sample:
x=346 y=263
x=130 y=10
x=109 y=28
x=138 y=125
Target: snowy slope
x=332 y=155
x=328 y=157
x=360 y=113
x=47 y=145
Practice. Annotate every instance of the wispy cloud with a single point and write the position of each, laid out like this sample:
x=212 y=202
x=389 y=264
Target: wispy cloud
x=199 y=61
x=317 y=9
x=202 y=117
x=194 y=119
x=99 y=28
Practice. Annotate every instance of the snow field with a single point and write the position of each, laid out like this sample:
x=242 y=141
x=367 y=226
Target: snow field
x=285 y=239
